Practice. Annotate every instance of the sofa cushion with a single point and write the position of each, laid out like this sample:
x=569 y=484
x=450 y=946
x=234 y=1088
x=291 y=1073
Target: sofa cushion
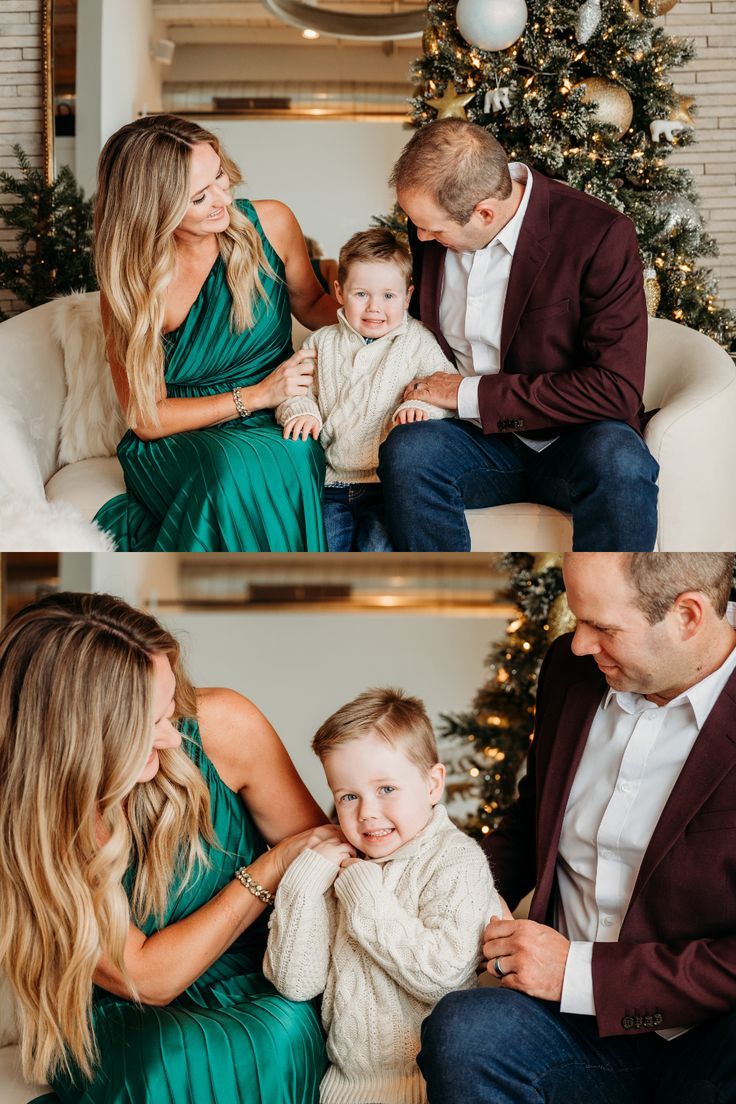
x=87 y=485
x=91 y=420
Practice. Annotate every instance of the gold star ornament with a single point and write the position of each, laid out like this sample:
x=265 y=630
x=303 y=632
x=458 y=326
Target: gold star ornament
x=450 y=104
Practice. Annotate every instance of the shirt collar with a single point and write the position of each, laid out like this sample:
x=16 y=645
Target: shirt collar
x=701 y=697
x=509 y=234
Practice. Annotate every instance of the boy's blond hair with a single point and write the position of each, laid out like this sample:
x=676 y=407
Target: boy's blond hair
x=378 y=245
x=399 y=719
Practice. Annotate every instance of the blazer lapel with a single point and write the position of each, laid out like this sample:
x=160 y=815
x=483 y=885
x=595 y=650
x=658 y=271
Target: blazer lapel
x=430 y=292
x=580 y=706
x=712 y=756
x=530 y=257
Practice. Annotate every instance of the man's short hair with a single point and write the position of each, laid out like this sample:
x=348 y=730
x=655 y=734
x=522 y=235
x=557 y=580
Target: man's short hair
x=457 y=164
x=378 y=245
x=399 y=719
x=659 y=578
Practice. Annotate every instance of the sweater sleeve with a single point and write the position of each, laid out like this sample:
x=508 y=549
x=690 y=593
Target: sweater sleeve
x=428 y=358
x=437 y=948
x=301 y=405
x=300 y=931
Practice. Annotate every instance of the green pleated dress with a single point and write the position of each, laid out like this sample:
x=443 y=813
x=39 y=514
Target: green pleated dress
x=230 y=1038
x=235 y=487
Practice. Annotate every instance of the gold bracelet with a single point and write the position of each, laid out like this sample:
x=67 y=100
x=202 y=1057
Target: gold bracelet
x=259 y=891
x=239 y=406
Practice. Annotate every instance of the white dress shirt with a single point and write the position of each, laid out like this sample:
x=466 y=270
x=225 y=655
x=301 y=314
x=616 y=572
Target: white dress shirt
x=631 y=761
x=472 y=303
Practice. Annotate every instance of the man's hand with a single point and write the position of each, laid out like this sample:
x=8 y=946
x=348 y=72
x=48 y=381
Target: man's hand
x=440 y=389
x=532 y=956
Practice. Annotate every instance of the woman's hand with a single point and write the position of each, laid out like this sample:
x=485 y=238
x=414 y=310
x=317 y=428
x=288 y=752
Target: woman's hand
x=292 y=379
x=305 y=426
x=288 y=849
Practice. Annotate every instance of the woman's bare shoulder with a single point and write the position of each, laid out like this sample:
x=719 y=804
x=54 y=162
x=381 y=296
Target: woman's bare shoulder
x=233 y=732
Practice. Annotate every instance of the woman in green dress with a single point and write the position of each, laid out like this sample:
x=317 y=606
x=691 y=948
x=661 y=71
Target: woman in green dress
x=197 y=293
x=143 y=829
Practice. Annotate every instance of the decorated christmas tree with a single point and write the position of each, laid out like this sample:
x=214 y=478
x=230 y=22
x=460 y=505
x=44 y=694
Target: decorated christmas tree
x=488 y=745
x=53 y=224
x=491 y=741
x=582 y=92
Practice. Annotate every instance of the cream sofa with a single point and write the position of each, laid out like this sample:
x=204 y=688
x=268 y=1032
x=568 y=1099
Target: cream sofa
x=693 y=437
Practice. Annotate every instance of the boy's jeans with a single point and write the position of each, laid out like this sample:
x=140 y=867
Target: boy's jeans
x=354 y=518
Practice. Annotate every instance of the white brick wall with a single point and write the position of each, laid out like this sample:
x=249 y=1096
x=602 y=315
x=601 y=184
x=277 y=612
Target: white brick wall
x=711 y=79
x=20 y=94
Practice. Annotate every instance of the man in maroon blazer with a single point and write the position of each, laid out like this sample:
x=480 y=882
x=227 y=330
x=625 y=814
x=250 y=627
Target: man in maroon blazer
x=621 y=986
x=535 y=291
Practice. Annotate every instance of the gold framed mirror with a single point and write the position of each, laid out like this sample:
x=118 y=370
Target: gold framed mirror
x=47 y=79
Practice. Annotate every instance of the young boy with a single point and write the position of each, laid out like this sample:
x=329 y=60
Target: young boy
x=390 y=920
x=364 y=363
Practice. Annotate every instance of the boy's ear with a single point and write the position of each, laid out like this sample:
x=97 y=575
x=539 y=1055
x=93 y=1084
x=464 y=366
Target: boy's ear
x=436 y=782
x=338 y=294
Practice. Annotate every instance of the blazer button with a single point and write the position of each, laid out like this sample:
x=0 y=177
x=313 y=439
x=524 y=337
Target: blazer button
x=518 y=424
x=649 y=1021
x=638 y=1021
x=657 y=1017
x=627 y=1023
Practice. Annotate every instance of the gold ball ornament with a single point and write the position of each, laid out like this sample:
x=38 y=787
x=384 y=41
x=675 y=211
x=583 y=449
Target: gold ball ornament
x=681 y=113
x=560 y=618
x=661 y=7
x=451 y=105
x=613 y=103
x=652 y=290
x=544 y=560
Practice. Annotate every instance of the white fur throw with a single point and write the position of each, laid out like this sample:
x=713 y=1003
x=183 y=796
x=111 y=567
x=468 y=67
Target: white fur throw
x=34 y=525
x=91 y=420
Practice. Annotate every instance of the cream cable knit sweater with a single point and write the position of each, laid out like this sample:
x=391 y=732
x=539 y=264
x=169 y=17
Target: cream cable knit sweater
x=357 y=390
x=384 y=939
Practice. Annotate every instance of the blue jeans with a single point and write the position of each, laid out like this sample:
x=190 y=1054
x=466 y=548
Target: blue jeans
x=355 y=519
x=601 y=473
x=497 y=1046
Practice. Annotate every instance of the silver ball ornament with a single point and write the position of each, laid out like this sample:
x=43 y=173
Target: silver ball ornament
x=491 y=24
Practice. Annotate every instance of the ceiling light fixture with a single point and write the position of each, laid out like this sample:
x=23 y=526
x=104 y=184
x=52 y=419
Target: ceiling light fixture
x=310 y=34
x=339 y=24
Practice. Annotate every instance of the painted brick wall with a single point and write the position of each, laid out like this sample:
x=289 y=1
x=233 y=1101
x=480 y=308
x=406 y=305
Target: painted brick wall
x=711 y=79
x=20 y=94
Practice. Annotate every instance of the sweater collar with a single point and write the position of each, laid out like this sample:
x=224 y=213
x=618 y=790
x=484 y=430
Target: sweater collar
x=422 y=840
x=353 y=333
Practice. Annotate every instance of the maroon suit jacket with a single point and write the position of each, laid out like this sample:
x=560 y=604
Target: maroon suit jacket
x=574 y=334
x=675 y=961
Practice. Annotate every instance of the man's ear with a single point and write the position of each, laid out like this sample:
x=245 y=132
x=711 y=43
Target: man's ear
x=338 y=294
x=689 y=609
x=485 y=211
x=436 y=782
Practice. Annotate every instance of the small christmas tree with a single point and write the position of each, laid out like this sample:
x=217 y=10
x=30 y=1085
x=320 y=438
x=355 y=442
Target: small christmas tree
x=580 y=92
x=53 y=223
x=493 y=738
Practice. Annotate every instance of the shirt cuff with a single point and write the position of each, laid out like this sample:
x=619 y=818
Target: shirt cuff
x=467 y=398
x=577 y=984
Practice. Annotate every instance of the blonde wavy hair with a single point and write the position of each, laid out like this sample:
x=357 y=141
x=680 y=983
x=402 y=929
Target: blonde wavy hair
x=143 y=180
x=76 y=719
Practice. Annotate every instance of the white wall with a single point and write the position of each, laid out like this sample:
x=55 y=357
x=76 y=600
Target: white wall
x=299 y=667
x=116 y=77
x=332 y=174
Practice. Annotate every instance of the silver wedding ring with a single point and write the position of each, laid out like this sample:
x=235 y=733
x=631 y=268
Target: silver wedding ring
x=497 y=969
